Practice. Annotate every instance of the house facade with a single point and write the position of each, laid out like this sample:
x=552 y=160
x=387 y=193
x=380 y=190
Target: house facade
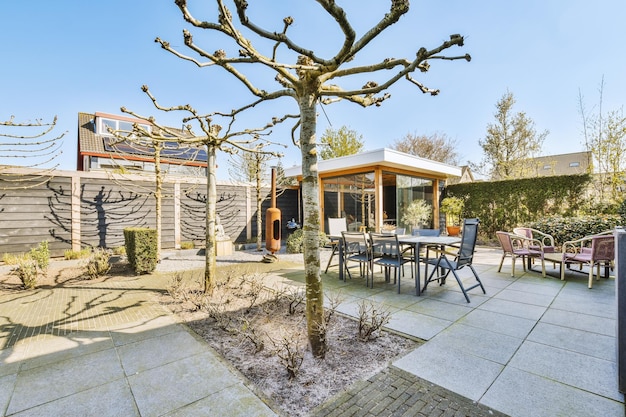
x=100 y=150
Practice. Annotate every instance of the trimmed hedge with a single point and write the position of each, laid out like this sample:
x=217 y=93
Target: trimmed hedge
x=503 y=205
x=141 y=249
x=564 y=229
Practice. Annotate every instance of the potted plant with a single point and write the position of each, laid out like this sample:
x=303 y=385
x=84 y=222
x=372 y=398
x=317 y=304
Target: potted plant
x=417 y=213
x=453 y=207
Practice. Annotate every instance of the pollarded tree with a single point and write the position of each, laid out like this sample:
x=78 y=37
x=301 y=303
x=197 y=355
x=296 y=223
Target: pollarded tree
x=340 y=142
x=214 y=138
x=30 y=145
x=437 y=147
x=308 y=78
x=511 y=143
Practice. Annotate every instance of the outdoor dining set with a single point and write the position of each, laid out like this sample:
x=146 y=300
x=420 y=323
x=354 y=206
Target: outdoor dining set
x=392 y=250
x=389 y=251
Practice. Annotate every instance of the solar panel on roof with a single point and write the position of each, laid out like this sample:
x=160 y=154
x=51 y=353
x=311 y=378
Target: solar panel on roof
x=171 y=149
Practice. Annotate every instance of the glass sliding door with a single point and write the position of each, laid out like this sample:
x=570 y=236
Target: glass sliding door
x=412 y=188
x=352 y=197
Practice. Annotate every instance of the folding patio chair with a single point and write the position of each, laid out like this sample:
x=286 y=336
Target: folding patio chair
x=447 y=261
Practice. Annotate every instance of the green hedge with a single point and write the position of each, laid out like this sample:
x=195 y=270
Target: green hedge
x=503 y=205
x=563 y=229
x=141 y=249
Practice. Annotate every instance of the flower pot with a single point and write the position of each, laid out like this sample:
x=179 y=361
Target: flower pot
x=453 y=230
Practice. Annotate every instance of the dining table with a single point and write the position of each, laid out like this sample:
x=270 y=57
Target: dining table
x=417 y=242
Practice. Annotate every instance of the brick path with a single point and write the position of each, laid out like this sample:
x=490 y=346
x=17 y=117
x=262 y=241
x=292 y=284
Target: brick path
x=394 y=392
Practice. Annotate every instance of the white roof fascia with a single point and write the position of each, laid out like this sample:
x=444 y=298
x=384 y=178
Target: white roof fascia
x=382 y=157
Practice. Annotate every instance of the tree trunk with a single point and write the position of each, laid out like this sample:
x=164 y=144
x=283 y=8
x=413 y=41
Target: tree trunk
x=316 y=327
x=211 y=199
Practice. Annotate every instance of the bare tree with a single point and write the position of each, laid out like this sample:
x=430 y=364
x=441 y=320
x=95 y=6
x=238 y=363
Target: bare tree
x=30 y=145
x=215 y=138
x=605 y=138
x=153 y=147
x=437 y=147
x=308 y=79
x=511 y=143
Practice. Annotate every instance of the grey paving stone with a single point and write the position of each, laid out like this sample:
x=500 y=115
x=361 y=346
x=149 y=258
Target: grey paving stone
x=53 y=349
x=440 y=309
x=7 y=382
x=234 y=401
x=415 y=324
x=482 y=343
x=584 y=342
x=499 y=323
x=509 y=294
x=513 y=308
x=169 y=387
x=145 y=329
x=60 y=379
x=465 y=374
x=571 y=368
x=544 y=287
x=151 y=353
x=523 y=394
x=109 y=400
x=580 y=321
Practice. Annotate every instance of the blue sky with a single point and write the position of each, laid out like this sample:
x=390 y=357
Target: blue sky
x=62 y=58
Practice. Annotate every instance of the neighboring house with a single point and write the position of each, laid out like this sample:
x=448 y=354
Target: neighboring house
x=99 y=150
x=563 y=164
x=466 y=176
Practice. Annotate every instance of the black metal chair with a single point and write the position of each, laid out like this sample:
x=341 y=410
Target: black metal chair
x=443 y=265
x=387 y=253
x=357 y=248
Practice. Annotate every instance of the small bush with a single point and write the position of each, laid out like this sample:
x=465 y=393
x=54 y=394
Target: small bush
x=371 y=320
x=98 y=264
x=27 y=272
x=72 y=254
x=187 y=245
x=41 y=255
x=14 y=258
x=120 y=250
x=295 y=241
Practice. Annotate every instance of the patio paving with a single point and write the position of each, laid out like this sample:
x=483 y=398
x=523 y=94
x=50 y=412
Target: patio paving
x=531 y=346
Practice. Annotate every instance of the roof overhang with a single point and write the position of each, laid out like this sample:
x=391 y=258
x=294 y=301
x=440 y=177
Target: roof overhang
x=382 y=158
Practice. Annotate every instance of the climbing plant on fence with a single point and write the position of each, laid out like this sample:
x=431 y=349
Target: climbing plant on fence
x=503 y=205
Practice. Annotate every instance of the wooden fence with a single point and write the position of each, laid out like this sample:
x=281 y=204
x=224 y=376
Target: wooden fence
x=73 y=210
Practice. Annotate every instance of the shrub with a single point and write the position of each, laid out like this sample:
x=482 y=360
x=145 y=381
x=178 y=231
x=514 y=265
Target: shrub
x=72 y=254
x=41 y=255
x=563 y=229
x=295 y=241
x=141 y=249
x=98 y=264
x=14 y=259
x=27 y=272
x=187 y=245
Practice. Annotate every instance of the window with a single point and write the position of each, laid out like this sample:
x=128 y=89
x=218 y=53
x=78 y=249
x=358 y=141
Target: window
x=114 y=124
x=574 y=164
